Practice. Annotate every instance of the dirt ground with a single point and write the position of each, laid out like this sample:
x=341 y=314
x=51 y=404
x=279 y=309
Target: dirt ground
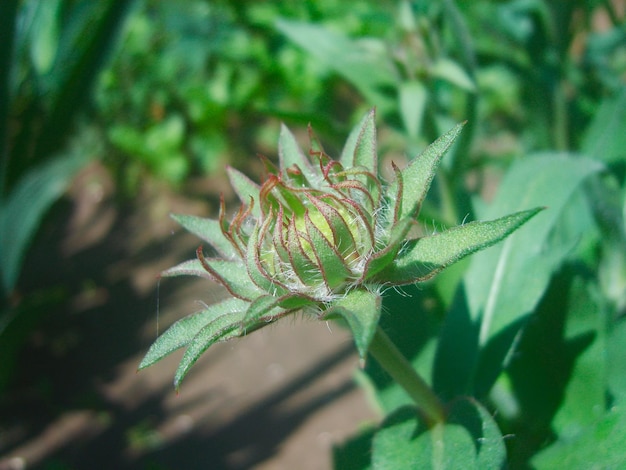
x=278 y=399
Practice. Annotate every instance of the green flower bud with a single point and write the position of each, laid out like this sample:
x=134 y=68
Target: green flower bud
x=319 y=236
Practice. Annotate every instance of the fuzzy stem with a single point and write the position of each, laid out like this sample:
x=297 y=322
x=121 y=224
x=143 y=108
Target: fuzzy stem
x=400 y=369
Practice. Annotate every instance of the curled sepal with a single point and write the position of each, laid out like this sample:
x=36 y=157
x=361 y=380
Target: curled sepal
x=419 y=173
x=421 y=259
x=360 y=309
x=185 y=330
x=192 y=267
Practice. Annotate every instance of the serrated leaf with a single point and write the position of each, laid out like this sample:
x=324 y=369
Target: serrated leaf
x=361 y=311
x=184 y=330
x=208 y=230
x=424 y=257
x=246 y=189
x=469 y=439
x=419 y=173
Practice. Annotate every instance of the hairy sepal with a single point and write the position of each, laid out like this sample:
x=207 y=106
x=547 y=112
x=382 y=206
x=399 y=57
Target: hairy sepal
x=208 y=230
x=360 y=309
x=184 y=330
x=419 y=173
x=245 y=188
x=422 y=258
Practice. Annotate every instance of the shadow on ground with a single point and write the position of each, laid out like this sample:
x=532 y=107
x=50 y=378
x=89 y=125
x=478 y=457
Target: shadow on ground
x=277 y=399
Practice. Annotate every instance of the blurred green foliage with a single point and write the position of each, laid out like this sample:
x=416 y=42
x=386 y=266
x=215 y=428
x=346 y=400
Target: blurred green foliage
x=194 y=85
x=51 y=54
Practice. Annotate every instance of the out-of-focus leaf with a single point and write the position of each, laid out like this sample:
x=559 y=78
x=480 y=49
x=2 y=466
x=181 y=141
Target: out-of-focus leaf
x=616 y=361
x=412 y=97
x=364 y=64
x=600 y=446
x=503 y=284
x=605 y=138
x=469 y=439
x=45 y=35
x=452 y=72
x=24 y=207
x=585 y=398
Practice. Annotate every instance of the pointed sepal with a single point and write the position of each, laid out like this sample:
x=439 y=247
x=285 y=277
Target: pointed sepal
x=419 y=173
x=208 y=230
x=360 y=309
x=422 y=258
x=182 y=332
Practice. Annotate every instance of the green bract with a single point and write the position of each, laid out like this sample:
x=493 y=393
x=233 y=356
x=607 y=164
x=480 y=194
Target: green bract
x=323 y=237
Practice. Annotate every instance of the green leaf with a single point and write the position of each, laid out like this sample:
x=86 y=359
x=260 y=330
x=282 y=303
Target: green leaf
x=185 y=330
x=616 y=360
x=355 y=453
x=469 y=439
x=365 y=64
x=361 y=311
x=419 y=173
x=584 y=400
x=44 y=31
x=452 y=72
x=504 y=284
x=246 y=189
x=424 y=257
x=22 y=210
x=412 y=96
x=600 y=446
x=605 y=138
x=208 y=230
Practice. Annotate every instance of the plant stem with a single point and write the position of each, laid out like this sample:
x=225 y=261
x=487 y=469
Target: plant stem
x=401 y=370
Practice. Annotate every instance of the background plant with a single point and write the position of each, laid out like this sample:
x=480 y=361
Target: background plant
x=542 y=85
